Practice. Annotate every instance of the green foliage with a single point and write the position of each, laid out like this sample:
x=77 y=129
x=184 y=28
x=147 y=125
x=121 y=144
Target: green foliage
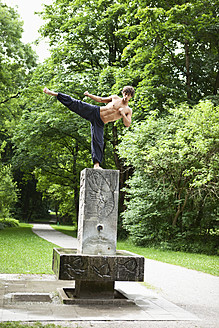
x=17 y=61
x=174 y=52
x=8 y=189
x=168 y=52
x=172 y=195
x=53 y=145
x=8 y=223
x=85 y=37
x=16 y=58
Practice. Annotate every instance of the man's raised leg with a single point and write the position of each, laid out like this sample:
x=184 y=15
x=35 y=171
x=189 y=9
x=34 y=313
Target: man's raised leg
x=86 y=111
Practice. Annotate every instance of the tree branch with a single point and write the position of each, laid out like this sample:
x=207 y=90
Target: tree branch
x=4 y=101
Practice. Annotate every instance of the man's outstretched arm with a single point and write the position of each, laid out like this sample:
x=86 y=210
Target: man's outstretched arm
x=49 y=92
x=97 y=98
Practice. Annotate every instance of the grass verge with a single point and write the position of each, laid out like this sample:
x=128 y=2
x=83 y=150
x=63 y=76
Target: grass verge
x=22 y=251
x=200 y=262
x=66 y=229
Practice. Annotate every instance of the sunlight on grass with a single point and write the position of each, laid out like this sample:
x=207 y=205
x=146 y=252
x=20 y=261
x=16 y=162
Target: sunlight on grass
x=199 y=262
x=68 y=230
x=22 y=251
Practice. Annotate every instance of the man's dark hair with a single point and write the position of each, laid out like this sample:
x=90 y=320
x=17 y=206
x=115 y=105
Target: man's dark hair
x=129 y=90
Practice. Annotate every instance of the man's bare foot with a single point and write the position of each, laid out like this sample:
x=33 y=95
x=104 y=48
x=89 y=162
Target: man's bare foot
x=97 y=166
x=49 y=92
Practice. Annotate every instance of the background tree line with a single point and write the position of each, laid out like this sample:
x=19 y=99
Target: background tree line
x=168 y=158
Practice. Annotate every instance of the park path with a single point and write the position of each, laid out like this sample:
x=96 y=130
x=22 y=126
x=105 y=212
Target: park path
x=46 y=232
x=195 y=291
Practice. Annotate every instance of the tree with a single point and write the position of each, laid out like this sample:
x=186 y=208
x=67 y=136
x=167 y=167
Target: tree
x=8 y=190
x=174 y=191
x=83 y=33
x=17 y=59
x=17 y=62
x=175 y=53
x=85 y=42
x=51 y=143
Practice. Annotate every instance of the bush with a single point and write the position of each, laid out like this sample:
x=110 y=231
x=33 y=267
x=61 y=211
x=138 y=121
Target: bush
x=8 y=190
x=8 y=223
x=171 y=197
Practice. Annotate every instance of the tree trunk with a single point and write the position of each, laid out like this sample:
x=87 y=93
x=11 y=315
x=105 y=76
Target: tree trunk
x=180 y=209
x=188 y=74
x=124 y=171
x=115 y=144
x=76 y=191
x=216 y=84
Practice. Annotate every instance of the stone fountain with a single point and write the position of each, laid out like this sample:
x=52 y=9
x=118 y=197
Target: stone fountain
x=96 y=265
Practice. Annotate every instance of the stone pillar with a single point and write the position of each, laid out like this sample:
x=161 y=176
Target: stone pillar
x=98 y=212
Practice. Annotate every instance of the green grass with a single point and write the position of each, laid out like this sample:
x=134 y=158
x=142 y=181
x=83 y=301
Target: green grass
x=68 y=230
x=200 y=262
x=22 y=251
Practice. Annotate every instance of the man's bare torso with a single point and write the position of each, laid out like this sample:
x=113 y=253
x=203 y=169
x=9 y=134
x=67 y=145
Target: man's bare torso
x=110 y=112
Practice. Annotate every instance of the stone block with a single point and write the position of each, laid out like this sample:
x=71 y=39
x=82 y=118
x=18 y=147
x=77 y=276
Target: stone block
x=124 y=266
x=98 y=212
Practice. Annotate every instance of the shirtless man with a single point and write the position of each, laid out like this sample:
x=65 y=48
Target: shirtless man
x=115 y=109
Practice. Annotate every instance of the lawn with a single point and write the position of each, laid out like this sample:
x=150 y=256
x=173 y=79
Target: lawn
x=66 y=229
x=22 y=251
x=200 y=262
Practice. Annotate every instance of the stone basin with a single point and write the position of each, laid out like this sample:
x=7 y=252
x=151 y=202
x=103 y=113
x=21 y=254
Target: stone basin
x=123 y=266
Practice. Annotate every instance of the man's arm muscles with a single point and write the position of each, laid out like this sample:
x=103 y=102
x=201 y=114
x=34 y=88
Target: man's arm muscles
x=97 y=98
x=127 y=118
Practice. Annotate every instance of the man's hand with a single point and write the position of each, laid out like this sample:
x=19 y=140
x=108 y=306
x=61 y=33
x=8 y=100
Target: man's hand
x=86 y=93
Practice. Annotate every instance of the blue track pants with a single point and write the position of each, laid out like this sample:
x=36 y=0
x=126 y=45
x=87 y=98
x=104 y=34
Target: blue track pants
x=92 y=114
